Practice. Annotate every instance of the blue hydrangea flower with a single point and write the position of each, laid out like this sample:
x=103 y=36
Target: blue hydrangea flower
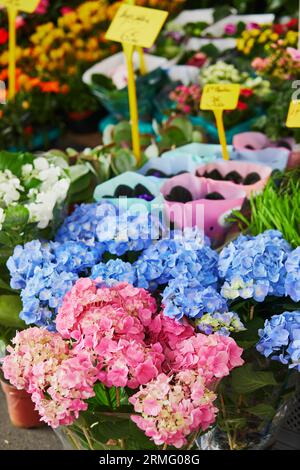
x=254 y=267
x=280 y=339
x=115 y=269
x=75 y=256
x=25 y=259
x=102 y=226
x=292 y=280
x=132 y=232
x=43 y=295
x=81 y=225
x=184 y=297
x=185 y=256
x=222 y=323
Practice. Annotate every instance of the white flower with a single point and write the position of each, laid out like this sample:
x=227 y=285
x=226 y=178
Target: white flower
x=10 y=187
x=26 y=170
x=41 y=163
x=2 y=217
x=49 y=177
x=41 y=210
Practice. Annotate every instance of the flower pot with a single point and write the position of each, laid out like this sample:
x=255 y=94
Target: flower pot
x=257 y=147
x=183 y=159
x=84 y=122
x=129 y=179
x=116 y=100
x=260 y=418
x=294 y=158
x=208 y=215
x=21 y=408
x=243 y=168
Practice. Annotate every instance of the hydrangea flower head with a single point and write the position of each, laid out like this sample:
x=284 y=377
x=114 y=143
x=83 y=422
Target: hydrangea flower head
x=172 y=407
x=280 y=339
x=292 y=281
x=186 y=297
x=254 y=266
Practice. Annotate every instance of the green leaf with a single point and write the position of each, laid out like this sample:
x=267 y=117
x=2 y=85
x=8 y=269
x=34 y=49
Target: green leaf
x=80 y=184
x=15 y=217
x=77 y=171
x=14 y=161
x=10 y=308
x=262 y=410
x=184 y=125
x=123 y=161
x=246 y=380
x=102 y=81
x=122 y=133
x=4 y=285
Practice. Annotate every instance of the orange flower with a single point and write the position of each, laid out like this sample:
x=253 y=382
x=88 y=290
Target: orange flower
x=4 y=74
x=50 y=87
x=65 y=89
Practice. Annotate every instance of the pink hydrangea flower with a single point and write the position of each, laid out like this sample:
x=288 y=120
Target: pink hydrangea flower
x=59 y=381
x=129 y=363
x=36 y=353
x=213 y=356
x=171 y=408
x=88 y=298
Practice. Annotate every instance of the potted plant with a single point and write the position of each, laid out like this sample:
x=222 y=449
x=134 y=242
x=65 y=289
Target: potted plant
x=111 y=390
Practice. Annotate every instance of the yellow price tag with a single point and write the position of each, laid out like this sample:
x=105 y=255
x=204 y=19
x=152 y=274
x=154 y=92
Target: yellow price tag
x=217 y=98
x=135 y=25
x=220 y=97
x=293 y=118
x=28 y=6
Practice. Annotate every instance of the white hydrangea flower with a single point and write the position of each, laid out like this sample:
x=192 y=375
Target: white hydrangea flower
x=2 y=217
x=10 y=188
x=41 y=210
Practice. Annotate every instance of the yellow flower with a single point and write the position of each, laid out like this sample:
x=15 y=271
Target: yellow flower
x=25 y=105
x=255 y=32
x=240 y=44
x=262 y=38
x=274 y=36
x=79 y=43
x=92 y=44
x=250 y=43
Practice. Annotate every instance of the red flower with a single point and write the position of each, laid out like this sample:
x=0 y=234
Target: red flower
x=279 y=29
x=246 y=92
x=242 y=106
x=3 y=36
x=292 y=24
x=28 y=130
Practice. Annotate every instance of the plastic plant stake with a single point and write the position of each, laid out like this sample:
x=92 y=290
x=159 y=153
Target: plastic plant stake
x=217 y=98
x=135 y=27
x=13 y=6
x=221 y=131
x=133 y=105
